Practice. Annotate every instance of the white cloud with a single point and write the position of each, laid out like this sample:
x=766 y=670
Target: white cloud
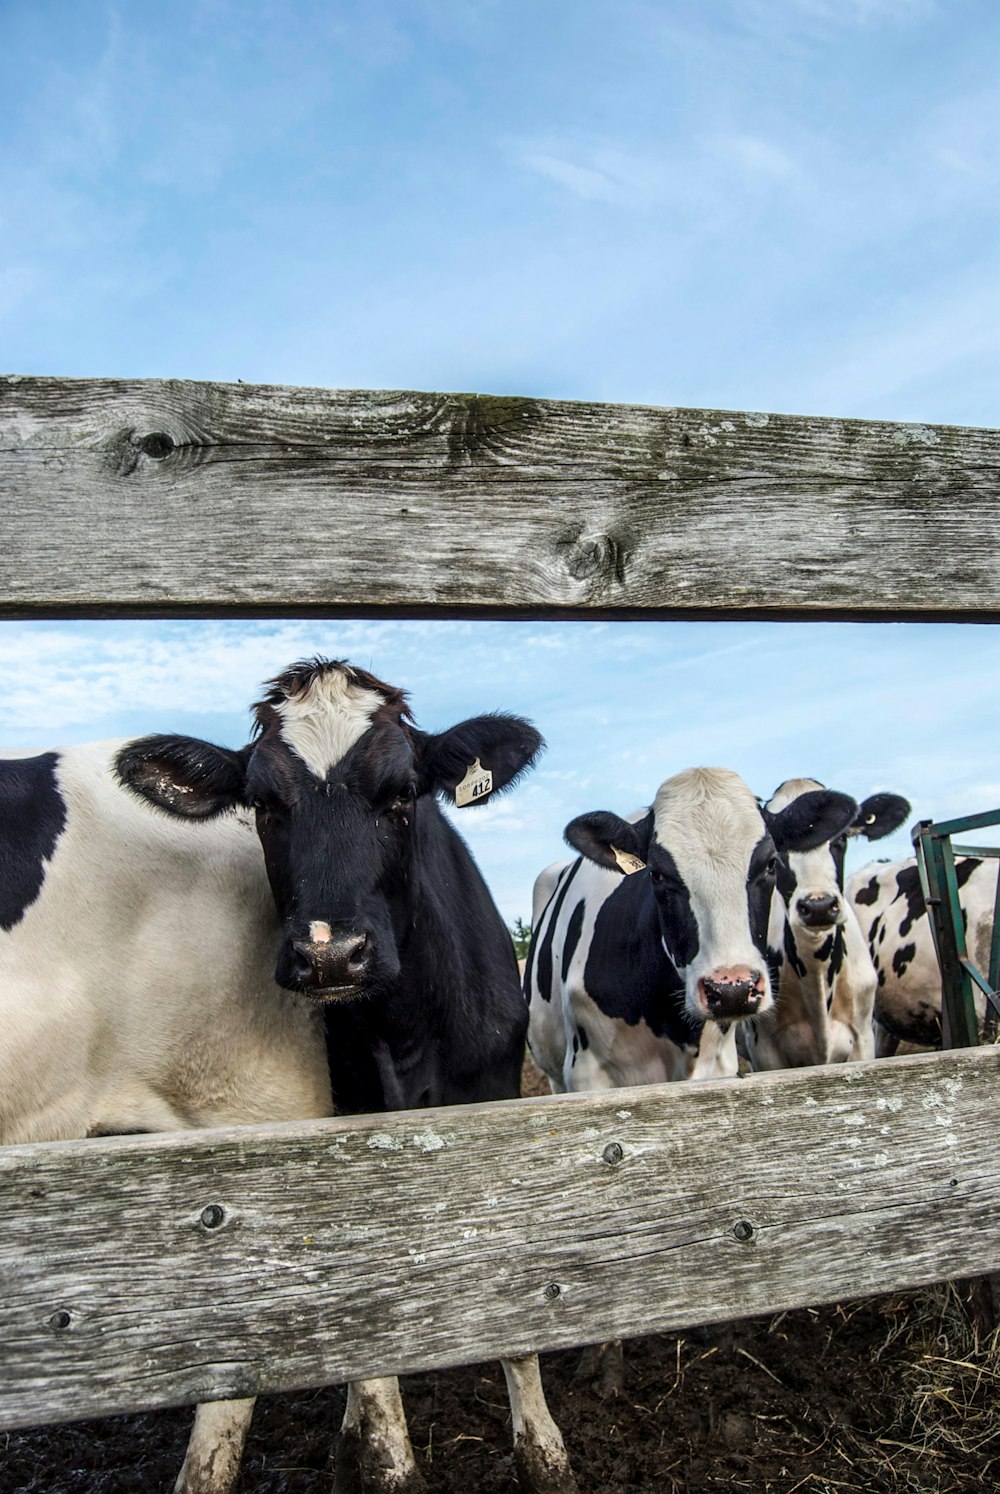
x=583 y=181
x=759 y=157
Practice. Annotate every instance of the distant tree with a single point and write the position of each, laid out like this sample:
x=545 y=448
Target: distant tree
x=521 y=935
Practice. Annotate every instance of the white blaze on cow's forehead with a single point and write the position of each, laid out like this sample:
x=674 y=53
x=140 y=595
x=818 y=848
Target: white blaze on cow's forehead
x=323 y=723
x=319 y=932
x=815 y=871
x=707 y=816
x=789 y=791
x=710 y=822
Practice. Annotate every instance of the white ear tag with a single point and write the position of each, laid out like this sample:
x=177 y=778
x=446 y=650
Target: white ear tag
x=627 y=862
x=477 y=783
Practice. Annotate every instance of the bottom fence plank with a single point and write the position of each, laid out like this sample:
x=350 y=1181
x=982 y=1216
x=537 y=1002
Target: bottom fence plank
x=138 y=1272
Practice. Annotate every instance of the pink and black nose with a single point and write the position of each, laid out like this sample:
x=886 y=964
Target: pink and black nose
x=728 y=995
x=326 y=960
x=819 y=910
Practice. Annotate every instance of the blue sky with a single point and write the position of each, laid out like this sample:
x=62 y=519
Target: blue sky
x=783 y=205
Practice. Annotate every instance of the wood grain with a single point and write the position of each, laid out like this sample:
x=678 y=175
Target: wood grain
x=166 y=497
x=147 y=1271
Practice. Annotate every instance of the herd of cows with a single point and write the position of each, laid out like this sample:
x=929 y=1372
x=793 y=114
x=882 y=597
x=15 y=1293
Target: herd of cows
x=159 y=972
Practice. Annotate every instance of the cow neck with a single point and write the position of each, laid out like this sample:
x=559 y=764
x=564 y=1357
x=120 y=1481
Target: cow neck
x=811 y=988
x=628 y=930
x=399 y=1046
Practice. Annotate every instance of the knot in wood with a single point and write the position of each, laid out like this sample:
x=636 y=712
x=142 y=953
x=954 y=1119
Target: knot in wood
x=127 y=448
x=591 y=557
x=156 y=445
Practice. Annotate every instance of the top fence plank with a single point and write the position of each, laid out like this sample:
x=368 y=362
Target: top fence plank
x=163 y=497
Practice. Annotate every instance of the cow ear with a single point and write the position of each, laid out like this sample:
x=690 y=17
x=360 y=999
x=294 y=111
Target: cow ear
x=601 y=834
x=810 y=819
x=188 y=778
x=879 y=815
x=476 y=759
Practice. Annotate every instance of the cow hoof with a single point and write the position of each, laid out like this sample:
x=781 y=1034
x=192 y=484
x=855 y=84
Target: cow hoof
x=602 y=1370
x=358 y=1469
x=543 y=1470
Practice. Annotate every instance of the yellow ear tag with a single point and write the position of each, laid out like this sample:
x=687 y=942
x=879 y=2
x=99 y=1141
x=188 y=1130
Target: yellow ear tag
x=477 y=783
x=627 y=862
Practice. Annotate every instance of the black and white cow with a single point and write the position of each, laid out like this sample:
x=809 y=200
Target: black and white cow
x=157 y=971
x=890 y=907
x=640 y=978
x=824 y=976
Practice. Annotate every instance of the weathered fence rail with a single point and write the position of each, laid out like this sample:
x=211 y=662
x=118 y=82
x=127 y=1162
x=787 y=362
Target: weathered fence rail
x=171 y=497
x=143 y=1272
x=140 y=1272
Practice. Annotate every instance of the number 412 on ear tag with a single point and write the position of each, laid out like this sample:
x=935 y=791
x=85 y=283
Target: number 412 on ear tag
x=477 y=783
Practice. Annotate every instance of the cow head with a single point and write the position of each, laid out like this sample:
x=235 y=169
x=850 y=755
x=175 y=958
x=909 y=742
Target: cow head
x=710 y=854
x=343 y=787
x=811 y=882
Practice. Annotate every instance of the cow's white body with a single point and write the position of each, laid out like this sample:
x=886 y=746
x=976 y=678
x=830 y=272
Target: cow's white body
x=657 y=1032
x=826 y=979
x=136 y=990
x=822 y=1014
x=893 y=917
x=617 y=1053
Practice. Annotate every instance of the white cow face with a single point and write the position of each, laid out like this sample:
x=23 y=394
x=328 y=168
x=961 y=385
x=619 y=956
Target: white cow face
x=710 y=855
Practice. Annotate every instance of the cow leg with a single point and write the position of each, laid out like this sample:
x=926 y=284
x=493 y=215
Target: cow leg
x=539 y=1453
x=886 y=1042
x=215 y=1448
x=374 y=1452
x=602 y=1367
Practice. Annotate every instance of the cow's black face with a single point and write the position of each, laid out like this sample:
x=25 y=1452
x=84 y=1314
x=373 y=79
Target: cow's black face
x=337 y=853
x=340 y=782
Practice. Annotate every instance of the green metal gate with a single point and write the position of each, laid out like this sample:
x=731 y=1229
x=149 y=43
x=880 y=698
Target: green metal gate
x=936 y=855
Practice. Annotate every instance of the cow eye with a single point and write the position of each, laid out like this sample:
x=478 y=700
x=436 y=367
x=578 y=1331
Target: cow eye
x=264 y=806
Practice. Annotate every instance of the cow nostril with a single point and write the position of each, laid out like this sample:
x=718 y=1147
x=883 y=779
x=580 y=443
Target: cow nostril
x=303 y=969
x=358 y=956
x=818 y=906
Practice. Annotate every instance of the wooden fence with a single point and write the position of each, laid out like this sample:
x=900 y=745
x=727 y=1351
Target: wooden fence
x=150 y=1271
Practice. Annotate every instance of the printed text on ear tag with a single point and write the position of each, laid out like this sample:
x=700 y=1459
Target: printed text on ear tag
x=477 y=783
x=627 y=862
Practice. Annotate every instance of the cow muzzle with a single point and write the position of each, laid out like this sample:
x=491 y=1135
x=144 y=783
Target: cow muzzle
x=731 y=994
x=329 y=965
x=820 y=910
